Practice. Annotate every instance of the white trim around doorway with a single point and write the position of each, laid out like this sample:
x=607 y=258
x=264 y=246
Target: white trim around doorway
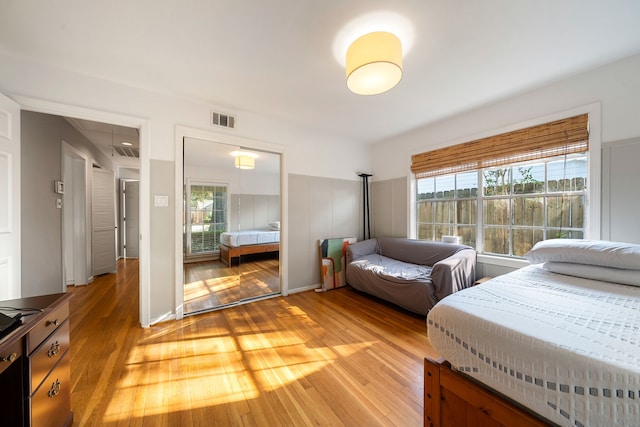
x=42 y=106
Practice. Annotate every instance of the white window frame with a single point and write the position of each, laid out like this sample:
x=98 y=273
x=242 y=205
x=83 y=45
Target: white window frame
x=190 y=183
x=593 y=199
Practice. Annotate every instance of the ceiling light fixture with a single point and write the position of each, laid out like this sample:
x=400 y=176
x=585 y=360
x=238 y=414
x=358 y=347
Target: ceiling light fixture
x=374 y=63
x=126 y=143
x=244 y=159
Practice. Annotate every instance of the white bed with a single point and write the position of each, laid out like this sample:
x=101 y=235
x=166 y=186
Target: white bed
x=567 y=348
x=249 y=237
x=234 y=244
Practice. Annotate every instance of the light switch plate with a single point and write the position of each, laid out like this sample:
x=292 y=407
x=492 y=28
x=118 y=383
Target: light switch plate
x=160 y=200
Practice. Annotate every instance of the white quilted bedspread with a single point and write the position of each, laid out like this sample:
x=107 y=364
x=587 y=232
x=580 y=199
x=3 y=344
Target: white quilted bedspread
x=567 y=348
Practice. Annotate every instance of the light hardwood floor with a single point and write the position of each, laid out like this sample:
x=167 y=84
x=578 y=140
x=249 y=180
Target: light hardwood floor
x=334 y=359
x=211 y=284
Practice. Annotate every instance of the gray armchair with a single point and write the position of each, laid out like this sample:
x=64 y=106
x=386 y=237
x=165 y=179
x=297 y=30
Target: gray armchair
x=413 y=274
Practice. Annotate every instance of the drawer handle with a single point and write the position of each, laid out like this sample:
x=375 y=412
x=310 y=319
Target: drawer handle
x=53 y=322
x=54 y=350
x=10 y=358
x=55 y=389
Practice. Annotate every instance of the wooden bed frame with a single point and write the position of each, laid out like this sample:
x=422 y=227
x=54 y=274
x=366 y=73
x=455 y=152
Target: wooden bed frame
x=227 y=253
x=452 y=399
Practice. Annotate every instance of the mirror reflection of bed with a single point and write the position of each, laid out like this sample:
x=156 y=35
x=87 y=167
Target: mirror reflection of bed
x=231 y=225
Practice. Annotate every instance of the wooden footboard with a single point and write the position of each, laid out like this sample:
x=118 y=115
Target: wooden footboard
x=453 y=399
x=227 y=253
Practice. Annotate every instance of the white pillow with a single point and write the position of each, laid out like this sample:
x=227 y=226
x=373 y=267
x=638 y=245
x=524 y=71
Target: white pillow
x=274 y=225
x=595 y=272
x=590 y=252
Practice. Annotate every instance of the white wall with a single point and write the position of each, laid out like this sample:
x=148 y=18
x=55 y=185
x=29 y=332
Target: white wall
x=305 y=152
x=615 y=86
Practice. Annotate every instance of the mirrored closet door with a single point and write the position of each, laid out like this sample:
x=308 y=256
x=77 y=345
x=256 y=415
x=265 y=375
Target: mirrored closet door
x=231 y=225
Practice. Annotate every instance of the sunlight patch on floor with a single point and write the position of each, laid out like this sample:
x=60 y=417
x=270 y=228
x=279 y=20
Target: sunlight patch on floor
x=221 y=370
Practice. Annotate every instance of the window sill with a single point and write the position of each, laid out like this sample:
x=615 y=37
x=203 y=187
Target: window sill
x=502 y=261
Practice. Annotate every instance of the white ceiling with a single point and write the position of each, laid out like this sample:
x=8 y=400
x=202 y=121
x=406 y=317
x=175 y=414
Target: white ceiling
x=283 y=58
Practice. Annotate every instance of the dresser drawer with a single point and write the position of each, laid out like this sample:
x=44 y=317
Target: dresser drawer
x=51 y=404
x=10 y=354
x=49 y=323
x=48 y=354
x=12 y=391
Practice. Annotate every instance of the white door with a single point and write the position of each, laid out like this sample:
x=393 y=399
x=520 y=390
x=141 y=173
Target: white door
x=131 y=218
x=103 y=222
x=9 y=199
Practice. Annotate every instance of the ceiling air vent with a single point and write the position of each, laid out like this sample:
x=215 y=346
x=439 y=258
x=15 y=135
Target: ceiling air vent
x=223 y=120
x=127 y=152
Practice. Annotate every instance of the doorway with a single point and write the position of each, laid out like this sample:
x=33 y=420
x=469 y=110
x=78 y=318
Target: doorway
x=74 y=173
x=141 y=129
x=231 y=225
x=93 y=211
x=103 y=222
x=130 y=218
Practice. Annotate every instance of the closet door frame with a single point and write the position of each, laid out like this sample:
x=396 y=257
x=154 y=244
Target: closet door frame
x=183 y=132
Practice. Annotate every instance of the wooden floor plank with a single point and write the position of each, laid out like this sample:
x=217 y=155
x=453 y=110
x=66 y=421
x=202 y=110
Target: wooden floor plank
x=338 y=358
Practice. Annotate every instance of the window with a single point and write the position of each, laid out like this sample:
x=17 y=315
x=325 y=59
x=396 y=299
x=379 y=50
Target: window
x=206 y=215
x=520 y=204
x=503 y=194
x=447 y=205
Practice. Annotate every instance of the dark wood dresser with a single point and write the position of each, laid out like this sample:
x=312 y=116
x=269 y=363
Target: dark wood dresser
x=35 y=385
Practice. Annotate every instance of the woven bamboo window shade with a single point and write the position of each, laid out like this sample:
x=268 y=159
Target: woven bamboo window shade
x=557 y=138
